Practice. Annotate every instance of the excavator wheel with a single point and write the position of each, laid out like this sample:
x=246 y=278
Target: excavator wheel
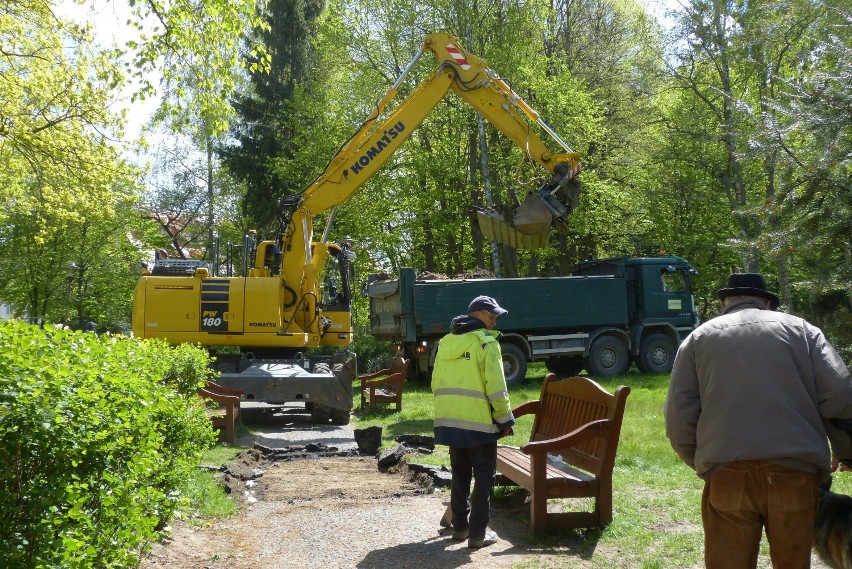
x=340 y=417
x=321 y=414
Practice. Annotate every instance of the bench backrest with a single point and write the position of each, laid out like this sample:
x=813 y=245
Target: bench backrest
x=571 y=403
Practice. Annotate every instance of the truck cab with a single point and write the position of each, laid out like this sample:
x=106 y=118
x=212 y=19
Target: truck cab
x=661 y=307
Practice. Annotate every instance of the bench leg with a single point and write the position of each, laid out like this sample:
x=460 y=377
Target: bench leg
x=538 y=511
x=538 y=496
x=230 y=432
x=603 y=503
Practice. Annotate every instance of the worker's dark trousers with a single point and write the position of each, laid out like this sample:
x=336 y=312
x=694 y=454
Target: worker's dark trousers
x=480 y=464
x=742 y=499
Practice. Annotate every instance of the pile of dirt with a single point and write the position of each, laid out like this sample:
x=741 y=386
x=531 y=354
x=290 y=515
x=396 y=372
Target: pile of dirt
x=313 y=472
x=475 y=274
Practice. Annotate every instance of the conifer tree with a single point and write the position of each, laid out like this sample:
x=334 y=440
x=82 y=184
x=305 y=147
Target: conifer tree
x=268 y=118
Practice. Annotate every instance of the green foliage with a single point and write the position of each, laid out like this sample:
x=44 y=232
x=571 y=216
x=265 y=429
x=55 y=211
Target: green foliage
x=183 y=368
x=269 y=113
x=755 y=146
x=98 y=436
x=373 y=354
x=64 y=185
x=193 y=45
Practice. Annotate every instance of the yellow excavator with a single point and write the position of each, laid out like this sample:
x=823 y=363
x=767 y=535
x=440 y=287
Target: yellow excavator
x=296 y=293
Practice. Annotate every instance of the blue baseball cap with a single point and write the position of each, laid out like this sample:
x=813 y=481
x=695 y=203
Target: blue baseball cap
x=486 y=303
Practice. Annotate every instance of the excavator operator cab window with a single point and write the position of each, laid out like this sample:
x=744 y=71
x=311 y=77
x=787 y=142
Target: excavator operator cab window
x=329 y=292
x=335 y=292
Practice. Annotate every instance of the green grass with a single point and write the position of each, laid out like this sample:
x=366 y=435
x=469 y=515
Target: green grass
x=656 y=498
x=207 y=499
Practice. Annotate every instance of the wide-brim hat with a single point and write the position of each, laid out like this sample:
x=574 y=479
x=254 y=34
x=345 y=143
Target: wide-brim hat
x=748 y=284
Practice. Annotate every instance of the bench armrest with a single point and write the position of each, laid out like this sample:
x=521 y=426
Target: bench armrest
x=394 y=378
x=528 y=408
x=221 y=397
x=374 y=375
x=593 y=430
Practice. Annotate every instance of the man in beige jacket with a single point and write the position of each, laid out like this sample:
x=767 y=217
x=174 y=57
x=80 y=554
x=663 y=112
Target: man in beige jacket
x=748 y=408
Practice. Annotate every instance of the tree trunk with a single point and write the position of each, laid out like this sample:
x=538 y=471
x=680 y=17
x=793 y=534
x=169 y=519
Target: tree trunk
x=489 y=200
x=428 y=246
x=211 y=195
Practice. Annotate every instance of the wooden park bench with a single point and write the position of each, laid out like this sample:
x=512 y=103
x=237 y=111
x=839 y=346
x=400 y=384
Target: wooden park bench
x=579 y=421
x=385 y=386
x=224 y=409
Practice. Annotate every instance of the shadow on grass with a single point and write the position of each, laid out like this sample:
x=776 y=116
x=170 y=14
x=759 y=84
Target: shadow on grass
x=510 y=509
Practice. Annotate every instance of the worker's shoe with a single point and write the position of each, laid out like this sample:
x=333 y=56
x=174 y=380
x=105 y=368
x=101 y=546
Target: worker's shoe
x=490 y=538
x=447 y=518
x=461 y=534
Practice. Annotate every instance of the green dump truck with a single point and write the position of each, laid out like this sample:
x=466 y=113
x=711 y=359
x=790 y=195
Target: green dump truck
x=608 y=314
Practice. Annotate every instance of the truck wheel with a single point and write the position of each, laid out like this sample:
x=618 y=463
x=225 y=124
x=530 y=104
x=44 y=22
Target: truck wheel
x=422 y=376
x=656 y=354
x=608 y=356
x=564 y=367
x=514 y=363
x=339 y=417
x=320 y=414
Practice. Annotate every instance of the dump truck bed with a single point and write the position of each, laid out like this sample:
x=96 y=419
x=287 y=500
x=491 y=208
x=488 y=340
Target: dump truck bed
x=404 y=308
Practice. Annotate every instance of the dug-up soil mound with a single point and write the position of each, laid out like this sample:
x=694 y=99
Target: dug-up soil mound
x=475 y=274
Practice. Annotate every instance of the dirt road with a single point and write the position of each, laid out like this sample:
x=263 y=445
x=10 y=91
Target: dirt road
x=333 y=512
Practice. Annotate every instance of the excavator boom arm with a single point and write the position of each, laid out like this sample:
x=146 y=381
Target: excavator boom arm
x=380 y=136
x=468 y=76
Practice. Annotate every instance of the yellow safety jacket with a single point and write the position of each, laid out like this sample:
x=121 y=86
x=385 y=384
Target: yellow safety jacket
x=470 y=389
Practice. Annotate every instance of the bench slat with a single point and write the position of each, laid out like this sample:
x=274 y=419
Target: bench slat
x=514 y=458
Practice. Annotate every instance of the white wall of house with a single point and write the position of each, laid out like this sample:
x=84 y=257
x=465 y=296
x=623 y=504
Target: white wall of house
x=5 y=312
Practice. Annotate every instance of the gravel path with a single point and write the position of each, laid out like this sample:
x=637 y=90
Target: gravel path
x=333 y=513
x=279 y=426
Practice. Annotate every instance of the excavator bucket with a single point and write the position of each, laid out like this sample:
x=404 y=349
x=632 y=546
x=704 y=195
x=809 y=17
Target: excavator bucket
x=528 y=225
x=528 y=229
x=494 y=227
x=532 y=216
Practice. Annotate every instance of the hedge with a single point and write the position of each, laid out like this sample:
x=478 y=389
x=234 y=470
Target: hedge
x=97 y=435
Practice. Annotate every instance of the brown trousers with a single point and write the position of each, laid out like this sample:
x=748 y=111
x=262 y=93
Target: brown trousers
x=742 y=499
